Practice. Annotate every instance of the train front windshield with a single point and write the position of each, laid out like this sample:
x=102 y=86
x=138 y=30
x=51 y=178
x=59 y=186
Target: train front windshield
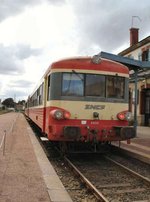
x=73 y=84
x=104 y=86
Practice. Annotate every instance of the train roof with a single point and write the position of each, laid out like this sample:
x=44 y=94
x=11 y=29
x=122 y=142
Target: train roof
x=87 y=63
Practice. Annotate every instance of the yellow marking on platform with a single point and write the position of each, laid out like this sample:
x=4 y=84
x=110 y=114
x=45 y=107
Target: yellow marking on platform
x=138 y=145
x=136 y=152
x=141 y=146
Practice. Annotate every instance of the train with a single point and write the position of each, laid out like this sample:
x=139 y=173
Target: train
x=83 y=100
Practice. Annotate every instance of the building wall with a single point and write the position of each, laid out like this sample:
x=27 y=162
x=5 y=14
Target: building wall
x=141 y=53
x=142 y=86
x=137 y=53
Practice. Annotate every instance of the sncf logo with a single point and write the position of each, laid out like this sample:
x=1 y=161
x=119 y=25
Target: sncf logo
x=95 y=107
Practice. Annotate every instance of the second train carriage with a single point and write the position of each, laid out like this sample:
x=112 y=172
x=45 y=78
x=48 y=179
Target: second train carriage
x=83 y=99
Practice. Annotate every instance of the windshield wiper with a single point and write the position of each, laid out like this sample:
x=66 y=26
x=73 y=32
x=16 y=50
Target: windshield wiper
x=78 y=74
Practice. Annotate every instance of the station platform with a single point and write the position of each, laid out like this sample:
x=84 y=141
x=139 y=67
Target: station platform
x=139 y=147
x=26 y=174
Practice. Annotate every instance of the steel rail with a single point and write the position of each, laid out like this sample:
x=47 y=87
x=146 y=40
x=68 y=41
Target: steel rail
x=145 y=179
x=89 y=185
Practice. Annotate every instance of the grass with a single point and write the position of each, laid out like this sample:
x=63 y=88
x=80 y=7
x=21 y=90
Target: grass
x=4 y=111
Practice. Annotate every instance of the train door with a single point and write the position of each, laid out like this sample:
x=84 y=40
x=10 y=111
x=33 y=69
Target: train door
x=45 y=98
x=147 y=107
x=46 y=102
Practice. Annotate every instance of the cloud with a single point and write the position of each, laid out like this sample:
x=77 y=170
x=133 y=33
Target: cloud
x=16 y=94
x=11 y=58
x=106 y=23
x=14 y=7
x=9 y=7
x=17 y=89
x=9 y=64
x=0 y=85
x=21 y=83
x=24 y=51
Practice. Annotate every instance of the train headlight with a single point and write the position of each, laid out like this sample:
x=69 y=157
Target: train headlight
x=96 y=59
x=57 y=114
x=128 y=116
x=60 y=114
x=124 y=116
x=67 y=115
x=121 y=116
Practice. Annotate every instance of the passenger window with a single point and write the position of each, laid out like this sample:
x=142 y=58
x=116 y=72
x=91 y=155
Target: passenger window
x=40 y=95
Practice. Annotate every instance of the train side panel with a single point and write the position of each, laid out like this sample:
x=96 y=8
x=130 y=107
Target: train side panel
x=35 y=106
x=37 y=116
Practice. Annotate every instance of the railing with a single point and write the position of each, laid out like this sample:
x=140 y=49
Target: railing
x=7 y=134
x=3 y=142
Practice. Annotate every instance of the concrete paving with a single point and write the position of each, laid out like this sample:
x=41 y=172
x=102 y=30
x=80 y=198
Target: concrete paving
x=26 y=175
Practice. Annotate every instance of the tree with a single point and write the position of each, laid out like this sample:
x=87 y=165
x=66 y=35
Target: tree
x=22 y=102
x=9 y=102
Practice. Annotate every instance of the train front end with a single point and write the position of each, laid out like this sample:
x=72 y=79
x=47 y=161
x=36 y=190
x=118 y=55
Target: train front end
x=87 y=101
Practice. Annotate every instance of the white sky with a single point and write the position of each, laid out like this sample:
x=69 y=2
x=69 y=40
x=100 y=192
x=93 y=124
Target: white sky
x=34 y=33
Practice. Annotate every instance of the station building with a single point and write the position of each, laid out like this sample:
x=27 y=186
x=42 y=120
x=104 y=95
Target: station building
x=139 y=50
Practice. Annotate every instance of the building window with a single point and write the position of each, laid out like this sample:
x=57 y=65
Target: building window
x=145 y=55
x=140 y=56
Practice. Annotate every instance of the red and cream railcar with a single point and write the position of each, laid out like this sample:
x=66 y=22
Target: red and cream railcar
x=83 y=99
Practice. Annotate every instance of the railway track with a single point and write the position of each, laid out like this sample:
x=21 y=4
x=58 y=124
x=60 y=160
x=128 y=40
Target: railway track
x=107 y=179
x=99 y=178
x=111 y=181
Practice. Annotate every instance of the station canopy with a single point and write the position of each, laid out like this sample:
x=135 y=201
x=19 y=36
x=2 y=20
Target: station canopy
x=141 y=67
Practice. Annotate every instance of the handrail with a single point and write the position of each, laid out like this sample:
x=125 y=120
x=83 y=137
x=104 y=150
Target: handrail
x=3 y=142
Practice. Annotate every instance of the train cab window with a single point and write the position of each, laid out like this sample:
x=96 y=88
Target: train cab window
x=95 y=85
x=72 y=84
x=48 y=88
x=115 y=87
